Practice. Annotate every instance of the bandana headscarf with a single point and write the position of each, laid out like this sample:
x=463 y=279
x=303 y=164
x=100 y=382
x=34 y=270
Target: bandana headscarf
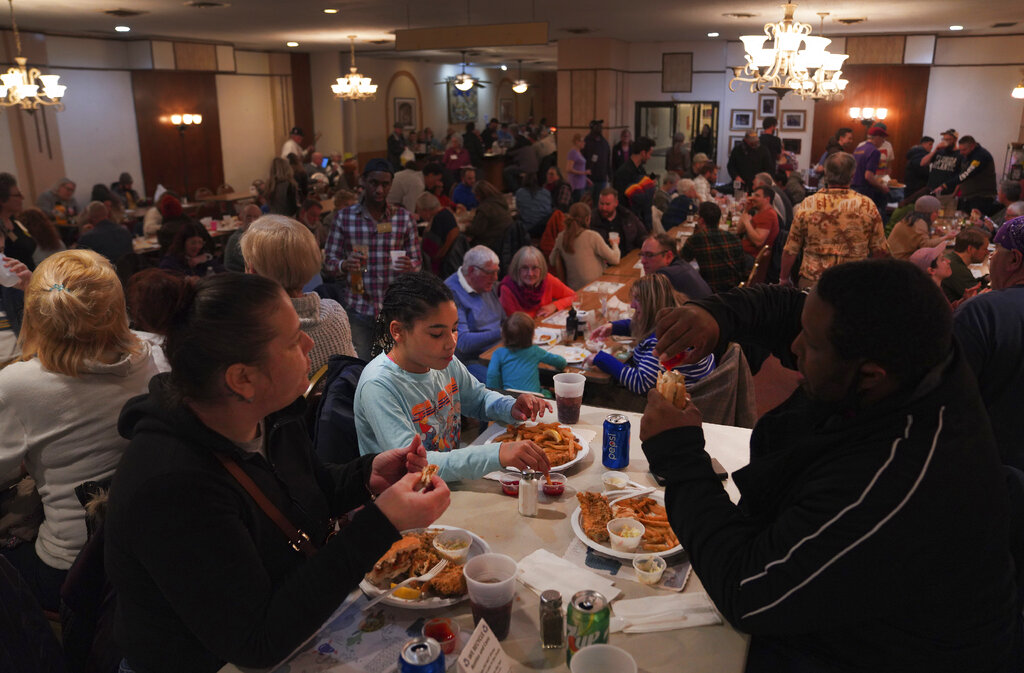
x=1011 y=234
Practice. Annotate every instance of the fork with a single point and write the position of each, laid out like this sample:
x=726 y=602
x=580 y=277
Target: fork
x=425 y=577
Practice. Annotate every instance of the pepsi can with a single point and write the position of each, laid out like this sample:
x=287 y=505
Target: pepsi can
x=615 y=447
x=421 y=655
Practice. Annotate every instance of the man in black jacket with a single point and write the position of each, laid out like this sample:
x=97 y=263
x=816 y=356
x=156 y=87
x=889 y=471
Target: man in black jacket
x=748 y=159
x=872 y=532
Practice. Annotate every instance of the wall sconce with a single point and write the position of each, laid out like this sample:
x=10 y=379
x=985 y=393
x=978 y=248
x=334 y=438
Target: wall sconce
x=868 y=115
x=1018 y=91
x=182 y=122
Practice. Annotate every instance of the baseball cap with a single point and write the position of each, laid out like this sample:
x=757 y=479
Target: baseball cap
x=378 y=165
x=296 y=131
x=1011 y=234
x=700 y=157
x=924 y=257
x=878 y=131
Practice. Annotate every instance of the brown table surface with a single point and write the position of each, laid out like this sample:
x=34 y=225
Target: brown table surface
x=228 y=198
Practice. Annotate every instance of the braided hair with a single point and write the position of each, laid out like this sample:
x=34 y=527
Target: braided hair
x=410 y=297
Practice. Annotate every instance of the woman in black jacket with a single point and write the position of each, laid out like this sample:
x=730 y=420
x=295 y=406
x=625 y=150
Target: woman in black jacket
x=203 y=575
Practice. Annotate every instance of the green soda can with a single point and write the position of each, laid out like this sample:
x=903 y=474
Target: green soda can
x=586 y=622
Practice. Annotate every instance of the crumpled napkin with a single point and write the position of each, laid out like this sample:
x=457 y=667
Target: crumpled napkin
x=664 y=613
x=542 y=570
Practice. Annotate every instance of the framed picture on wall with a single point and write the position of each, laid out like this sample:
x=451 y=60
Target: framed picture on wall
x=796 y=120
x=742 y=120
x=405 y=112
x=734 y=141
x=767 y=105
x=506 y=110
x=793 y=145
x=677 y=72
x=463 y=106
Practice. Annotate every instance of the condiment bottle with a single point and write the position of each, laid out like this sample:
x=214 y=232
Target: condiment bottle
x=528 y=487
x=552 y=621
x=572 y=325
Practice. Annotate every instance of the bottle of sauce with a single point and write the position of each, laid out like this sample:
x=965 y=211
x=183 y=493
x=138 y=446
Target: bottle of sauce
x=572 y=326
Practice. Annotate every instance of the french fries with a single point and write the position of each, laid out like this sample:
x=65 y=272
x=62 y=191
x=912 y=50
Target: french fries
x=555 y=440
x=658 y=534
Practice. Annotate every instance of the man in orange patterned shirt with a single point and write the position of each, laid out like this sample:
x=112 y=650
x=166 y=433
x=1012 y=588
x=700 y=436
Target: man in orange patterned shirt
x=834 y=226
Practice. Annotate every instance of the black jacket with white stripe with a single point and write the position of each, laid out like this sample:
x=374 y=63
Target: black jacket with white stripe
x=877 y=542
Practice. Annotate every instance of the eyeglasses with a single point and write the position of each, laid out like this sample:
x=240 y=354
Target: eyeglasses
x=486 y=272
x=649 y=255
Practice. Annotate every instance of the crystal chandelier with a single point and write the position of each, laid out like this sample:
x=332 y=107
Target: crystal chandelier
x=19 y=83
x=811 y=72
x=354 y=86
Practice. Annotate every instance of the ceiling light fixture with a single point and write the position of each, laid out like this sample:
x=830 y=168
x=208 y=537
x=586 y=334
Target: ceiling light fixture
x=122 y=29
x=504 y=67
x=811 y=72
x=520 y=85
x=712 y=34
x=956 y=27
x=19 y=83
x=291 y=44
x=1018 y=91
x=330 y=10
x=354 y=86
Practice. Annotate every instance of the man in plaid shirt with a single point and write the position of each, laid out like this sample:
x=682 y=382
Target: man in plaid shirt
x=378 y=227
x=718 y=253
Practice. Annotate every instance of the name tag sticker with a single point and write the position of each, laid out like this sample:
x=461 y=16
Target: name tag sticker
x=384 y=227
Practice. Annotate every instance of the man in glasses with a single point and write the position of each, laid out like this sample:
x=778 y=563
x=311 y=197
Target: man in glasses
x=480 y=312
x=658 y=255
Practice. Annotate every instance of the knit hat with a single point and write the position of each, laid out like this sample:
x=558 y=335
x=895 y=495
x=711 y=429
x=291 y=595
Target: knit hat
x=927 y=204
x=169 y=207
x=1011 y=234
x=924 y=257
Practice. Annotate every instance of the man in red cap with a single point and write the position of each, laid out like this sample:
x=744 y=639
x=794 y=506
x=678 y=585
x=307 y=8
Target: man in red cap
x=865 y=176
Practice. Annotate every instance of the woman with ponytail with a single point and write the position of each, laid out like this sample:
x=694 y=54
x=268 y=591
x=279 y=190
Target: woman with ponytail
x=219 y=467
x=416 y=387
x=59 y=405
x=583 y=250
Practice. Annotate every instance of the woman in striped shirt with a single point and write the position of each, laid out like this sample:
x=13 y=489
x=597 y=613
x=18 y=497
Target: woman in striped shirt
x=649 y=295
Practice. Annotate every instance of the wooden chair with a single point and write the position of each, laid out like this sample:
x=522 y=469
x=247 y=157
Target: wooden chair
x=203 y=193
x=760 y=270
x=225 y=189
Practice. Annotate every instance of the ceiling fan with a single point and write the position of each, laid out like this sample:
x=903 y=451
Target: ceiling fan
x=464 y=81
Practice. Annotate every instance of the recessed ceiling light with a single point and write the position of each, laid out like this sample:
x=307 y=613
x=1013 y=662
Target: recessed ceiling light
x=956 y=27
x=504 y=67
x=330 y=10
x=291 y=44
x=712 y=34
x=122 y=29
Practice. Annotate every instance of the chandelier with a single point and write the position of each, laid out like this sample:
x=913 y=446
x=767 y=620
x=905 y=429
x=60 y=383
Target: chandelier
x=520 y=85
x=811 y=72
x=354 y=86
x=19 y=83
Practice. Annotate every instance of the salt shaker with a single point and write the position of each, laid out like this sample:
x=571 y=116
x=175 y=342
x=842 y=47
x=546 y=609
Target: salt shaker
x=528 y=487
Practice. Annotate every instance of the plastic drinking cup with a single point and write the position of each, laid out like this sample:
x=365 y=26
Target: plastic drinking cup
x=491 y=580
x=569 y=397
x=602 y=658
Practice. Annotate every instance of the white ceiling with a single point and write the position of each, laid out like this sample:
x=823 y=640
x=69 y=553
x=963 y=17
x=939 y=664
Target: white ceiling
x=268 y=24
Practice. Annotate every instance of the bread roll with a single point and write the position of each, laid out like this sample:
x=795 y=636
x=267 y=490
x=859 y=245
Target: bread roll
x=672 y=386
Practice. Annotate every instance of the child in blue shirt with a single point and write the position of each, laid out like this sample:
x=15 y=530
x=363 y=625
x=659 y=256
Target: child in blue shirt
x=416 y=386
x=514 y=366
x=650 y=295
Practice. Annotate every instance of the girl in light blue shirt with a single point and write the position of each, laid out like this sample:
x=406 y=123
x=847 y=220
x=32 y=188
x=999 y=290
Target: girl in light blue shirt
x=416 y=386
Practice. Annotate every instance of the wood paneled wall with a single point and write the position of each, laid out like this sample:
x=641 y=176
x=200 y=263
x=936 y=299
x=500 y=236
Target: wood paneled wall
x=159 y=94
x=902 y=89
x=302 y=96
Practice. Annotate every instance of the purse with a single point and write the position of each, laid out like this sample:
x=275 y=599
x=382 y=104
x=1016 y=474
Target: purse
x=298 y=539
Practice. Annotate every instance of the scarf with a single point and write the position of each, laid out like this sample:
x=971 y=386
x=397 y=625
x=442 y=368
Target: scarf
x=528 y=297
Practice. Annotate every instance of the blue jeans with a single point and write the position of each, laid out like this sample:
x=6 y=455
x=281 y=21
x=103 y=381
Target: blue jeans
x=363 y=328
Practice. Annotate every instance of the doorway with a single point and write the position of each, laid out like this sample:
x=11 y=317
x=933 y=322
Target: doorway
x=659 y=121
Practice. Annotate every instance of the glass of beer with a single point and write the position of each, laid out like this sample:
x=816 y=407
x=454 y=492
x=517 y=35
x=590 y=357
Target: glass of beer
x=355 y=276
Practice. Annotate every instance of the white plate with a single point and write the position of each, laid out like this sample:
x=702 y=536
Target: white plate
x=573 y=355
x=613 y=497
x=498 y=429
x=477 y=546
x=545 y=336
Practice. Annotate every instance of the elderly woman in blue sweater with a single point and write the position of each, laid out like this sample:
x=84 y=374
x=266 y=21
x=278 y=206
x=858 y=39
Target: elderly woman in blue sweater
x=650 y=295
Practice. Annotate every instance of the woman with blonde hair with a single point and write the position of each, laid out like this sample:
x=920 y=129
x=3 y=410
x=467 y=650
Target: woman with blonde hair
x=286 y=251
x=282 y=191
x=529 y=287
x=59 y=406
x=583 y=251
x=650 y=294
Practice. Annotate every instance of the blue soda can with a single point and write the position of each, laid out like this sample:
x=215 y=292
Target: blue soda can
x=615 y=447
x=421 y=655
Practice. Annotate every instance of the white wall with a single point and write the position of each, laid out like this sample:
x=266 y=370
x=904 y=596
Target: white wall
x=324 y=69
x=98 y=133
x=7 y=164
x=245 y=109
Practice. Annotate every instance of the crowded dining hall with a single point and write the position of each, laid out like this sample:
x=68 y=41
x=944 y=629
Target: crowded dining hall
x=349 y=337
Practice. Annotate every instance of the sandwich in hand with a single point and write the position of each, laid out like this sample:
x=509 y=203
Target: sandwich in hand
x=426 y=476
x=672 y=386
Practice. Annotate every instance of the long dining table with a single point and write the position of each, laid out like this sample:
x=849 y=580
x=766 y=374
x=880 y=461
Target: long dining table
x=480 y=507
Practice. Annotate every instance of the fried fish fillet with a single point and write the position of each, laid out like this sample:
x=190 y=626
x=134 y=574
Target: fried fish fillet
x=595 y=515
x=449 y=582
